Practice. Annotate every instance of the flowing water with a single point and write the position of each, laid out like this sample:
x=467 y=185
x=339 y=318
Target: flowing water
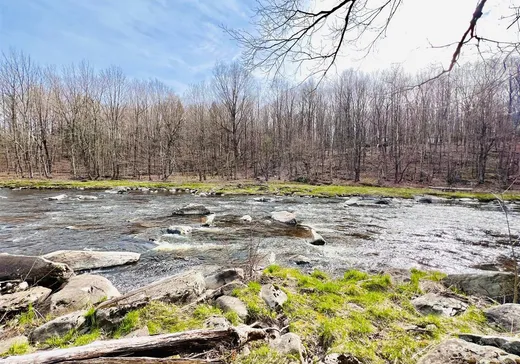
x=450 y=236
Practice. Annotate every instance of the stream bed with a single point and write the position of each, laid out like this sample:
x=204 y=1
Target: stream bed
x=453 y=236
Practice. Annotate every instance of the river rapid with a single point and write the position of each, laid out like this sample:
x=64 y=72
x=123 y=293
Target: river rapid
x=453 y=236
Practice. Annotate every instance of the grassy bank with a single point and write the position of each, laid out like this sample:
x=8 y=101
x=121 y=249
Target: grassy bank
x=250 y=188
x=368 y=316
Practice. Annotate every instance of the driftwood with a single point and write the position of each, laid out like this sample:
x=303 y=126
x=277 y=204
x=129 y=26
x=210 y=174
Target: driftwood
x=36 y=271
x=195 y=341
x=146 y=360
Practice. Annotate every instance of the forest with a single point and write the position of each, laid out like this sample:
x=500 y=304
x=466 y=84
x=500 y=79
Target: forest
x=389 y=126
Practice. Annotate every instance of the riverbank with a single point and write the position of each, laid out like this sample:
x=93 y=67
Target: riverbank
x=281 y=315
x=254 y=188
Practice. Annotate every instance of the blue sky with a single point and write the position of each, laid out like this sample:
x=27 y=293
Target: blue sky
x=176 y=41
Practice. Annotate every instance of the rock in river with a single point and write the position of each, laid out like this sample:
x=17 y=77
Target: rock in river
x=284 y=217
x=80 y=292
x=179 y=230
x=317 y=239
x=57 y=198
x=192 y=209
x=80 y=260
x=33 y=270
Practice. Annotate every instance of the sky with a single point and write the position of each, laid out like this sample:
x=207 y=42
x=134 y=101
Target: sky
x=179 y=41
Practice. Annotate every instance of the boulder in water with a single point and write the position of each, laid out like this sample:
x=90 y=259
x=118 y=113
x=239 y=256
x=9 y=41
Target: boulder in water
x=285 y=217
x=80 y=260
x=57 y=198
x=246 y=218
x=86 y=197
x=192 y=209
x=209 y=220
x=179 y=230
x=317 y=239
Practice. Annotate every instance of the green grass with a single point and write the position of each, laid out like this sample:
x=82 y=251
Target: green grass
x=250 y=188
x=28 y=318
x=19 y=349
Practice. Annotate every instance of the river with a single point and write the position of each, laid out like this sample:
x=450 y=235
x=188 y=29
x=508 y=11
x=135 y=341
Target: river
x=450 y=236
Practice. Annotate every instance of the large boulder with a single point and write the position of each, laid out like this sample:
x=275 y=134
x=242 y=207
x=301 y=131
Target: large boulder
x=179 y=289
x=6 y=344
x=284 y=217
x=495 y=285
x=432 y=303
x=59 y=326
x=510 y=345
x=232 y=304
x=506 y=317
x=456 y=351
x=223 y=277
x=273 y=296
x=80 y=292
x=20 y=301
x=192 y=209
x=79 y=260
x=289 y=344
x=33 y=270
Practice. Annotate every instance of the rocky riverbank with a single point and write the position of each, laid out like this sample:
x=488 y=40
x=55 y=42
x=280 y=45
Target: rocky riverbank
x=51 y=313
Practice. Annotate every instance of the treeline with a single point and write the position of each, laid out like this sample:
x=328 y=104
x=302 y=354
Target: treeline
x=387 y=126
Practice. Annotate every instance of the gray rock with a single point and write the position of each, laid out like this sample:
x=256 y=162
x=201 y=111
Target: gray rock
x=57 y=198
x=80 y=292
x=179 y=230
x=273 y=296
x=510 y=345
x=209 y=220
x=224 y=277
x=232 y=304
x=506 y=316
x=118 y=190
x=192 y=209
x=495 y=285
x=289 y=344
x=33 y=270
x=285 y=217
x=432 y=303
x=456 y=351
x=179 y=289
x=217 y=322
x=19 y=301
x=79 y=260
x=340 y=359
x=143 y=331
x=317 y=239
x=424 y=199
x=6 y=344
x=246 y=218
x=228 y=288
x=59 y=326
x=301 y=260
x=86 y=197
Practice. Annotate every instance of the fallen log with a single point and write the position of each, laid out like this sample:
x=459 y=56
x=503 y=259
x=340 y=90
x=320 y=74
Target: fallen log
x=143 y=360
x=195 y=341
x=36 y=271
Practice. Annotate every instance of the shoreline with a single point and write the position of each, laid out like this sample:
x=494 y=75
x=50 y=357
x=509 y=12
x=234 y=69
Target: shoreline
x=256 y=188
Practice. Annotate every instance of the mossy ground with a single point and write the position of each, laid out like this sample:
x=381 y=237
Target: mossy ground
x=249 y=188
x=368 y=316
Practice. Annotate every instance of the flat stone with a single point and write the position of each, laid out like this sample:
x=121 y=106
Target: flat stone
x=510 y=345
x=80 y=292
x=495 y=285
x=179 y=230
x=20 y=301
x=432 y=303
x=457 y=351
x=232 y=304
x=227 y=289
x=59 y=326
x=217 y=323
x=288 y=344
x=506 y=317
x=57 y=198
x=79 y=260
x=273 y=296
x=223 y=277
x=284 y=217
x=192 y=209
